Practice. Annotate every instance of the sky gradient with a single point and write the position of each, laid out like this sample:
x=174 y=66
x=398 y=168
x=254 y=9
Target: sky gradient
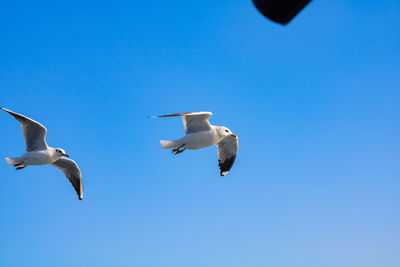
x=316 y=107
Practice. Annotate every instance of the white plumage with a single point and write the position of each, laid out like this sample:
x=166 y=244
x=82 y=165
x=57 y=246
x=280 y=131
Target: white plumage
x=38 y=153
x=200 y=133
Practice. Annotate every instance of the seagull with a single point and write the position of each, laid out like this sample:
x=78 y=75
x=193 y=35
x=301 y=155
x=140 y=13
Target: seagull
x=200 y=133
x=38 y=153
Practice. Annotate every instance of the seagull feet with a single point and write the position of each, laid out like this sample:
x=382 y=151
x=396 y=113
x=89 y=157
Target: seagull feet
x=20 y=165
x=178 y=150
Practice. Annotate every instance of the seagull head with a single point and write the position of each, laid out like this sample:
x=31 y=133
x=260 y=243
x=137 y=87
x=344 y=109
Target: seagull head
x=61 y=152
x=224 y=132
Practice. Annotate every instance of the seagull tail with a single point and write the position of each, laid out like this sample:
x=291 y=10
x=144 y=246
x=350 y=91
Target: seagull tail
x=13 y=161
x=169 y=144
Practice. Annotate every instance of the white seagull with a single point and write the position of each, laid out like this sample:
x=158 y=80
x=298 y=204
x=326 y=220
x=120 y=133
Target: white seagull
x=38 y=153
x=200 y=133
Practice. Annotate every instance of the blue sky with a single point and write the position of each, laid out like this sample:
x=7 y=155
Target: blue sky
x=316 y=107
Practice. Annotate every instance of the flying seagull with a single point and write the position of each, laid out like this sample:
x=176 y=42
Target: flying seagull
x=38 y=153
x=200 y=133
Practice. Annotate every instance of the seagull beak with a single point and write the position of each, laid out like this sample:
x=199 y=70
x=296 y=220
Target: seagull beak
x=65 y=155
x=234 y=135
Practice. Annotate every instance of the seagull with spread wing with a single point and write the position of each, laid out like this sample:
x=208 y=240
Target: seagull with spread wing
x=38 y=153
x=200 y=133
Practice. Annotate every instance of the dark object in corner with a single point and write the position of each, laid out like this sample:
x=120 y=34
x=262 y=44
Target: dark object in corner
x=280 y=11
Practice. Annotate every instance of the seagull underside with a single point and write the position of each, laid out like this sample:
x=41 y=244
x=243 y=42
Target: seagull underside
x=199 y=134
x=38 y=153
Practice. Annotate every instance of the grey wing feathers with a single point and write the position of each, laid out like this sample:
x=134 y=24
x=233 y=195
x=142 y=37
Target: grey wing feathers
x=72 y=172
x=34 y=132
x=227 y=151
x=193 y=121
x=180 y=114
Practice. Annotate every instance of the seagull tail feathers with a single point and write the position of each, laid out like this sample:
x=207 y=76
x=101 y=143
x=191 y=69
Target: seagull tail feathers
x=13 y=161
x=168 y=144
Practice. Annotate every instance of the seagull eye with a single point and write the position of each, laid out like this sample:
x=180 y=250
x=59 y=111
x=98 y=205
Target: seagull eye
x=227 y=131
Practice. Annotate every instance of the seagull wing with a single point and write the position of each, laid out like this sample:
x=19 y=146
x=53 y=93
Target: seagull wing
x=227 y=151
x=34 y=132
x=72 y=172
x=193 y=121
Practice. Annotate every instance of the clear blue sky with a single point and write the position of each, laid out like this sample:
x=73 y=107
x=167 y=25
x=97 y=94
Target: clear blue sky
x=316 y=107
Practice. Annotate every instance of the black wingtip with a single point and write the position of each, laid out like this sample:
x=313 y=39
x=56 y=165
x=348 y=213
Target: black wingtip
x=226 y=165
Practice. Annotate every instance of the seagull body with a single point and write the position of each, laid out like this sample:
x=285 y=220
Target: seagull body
x=38 y=153
x=39 y=157
x=195 y=140
x=200 y=133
